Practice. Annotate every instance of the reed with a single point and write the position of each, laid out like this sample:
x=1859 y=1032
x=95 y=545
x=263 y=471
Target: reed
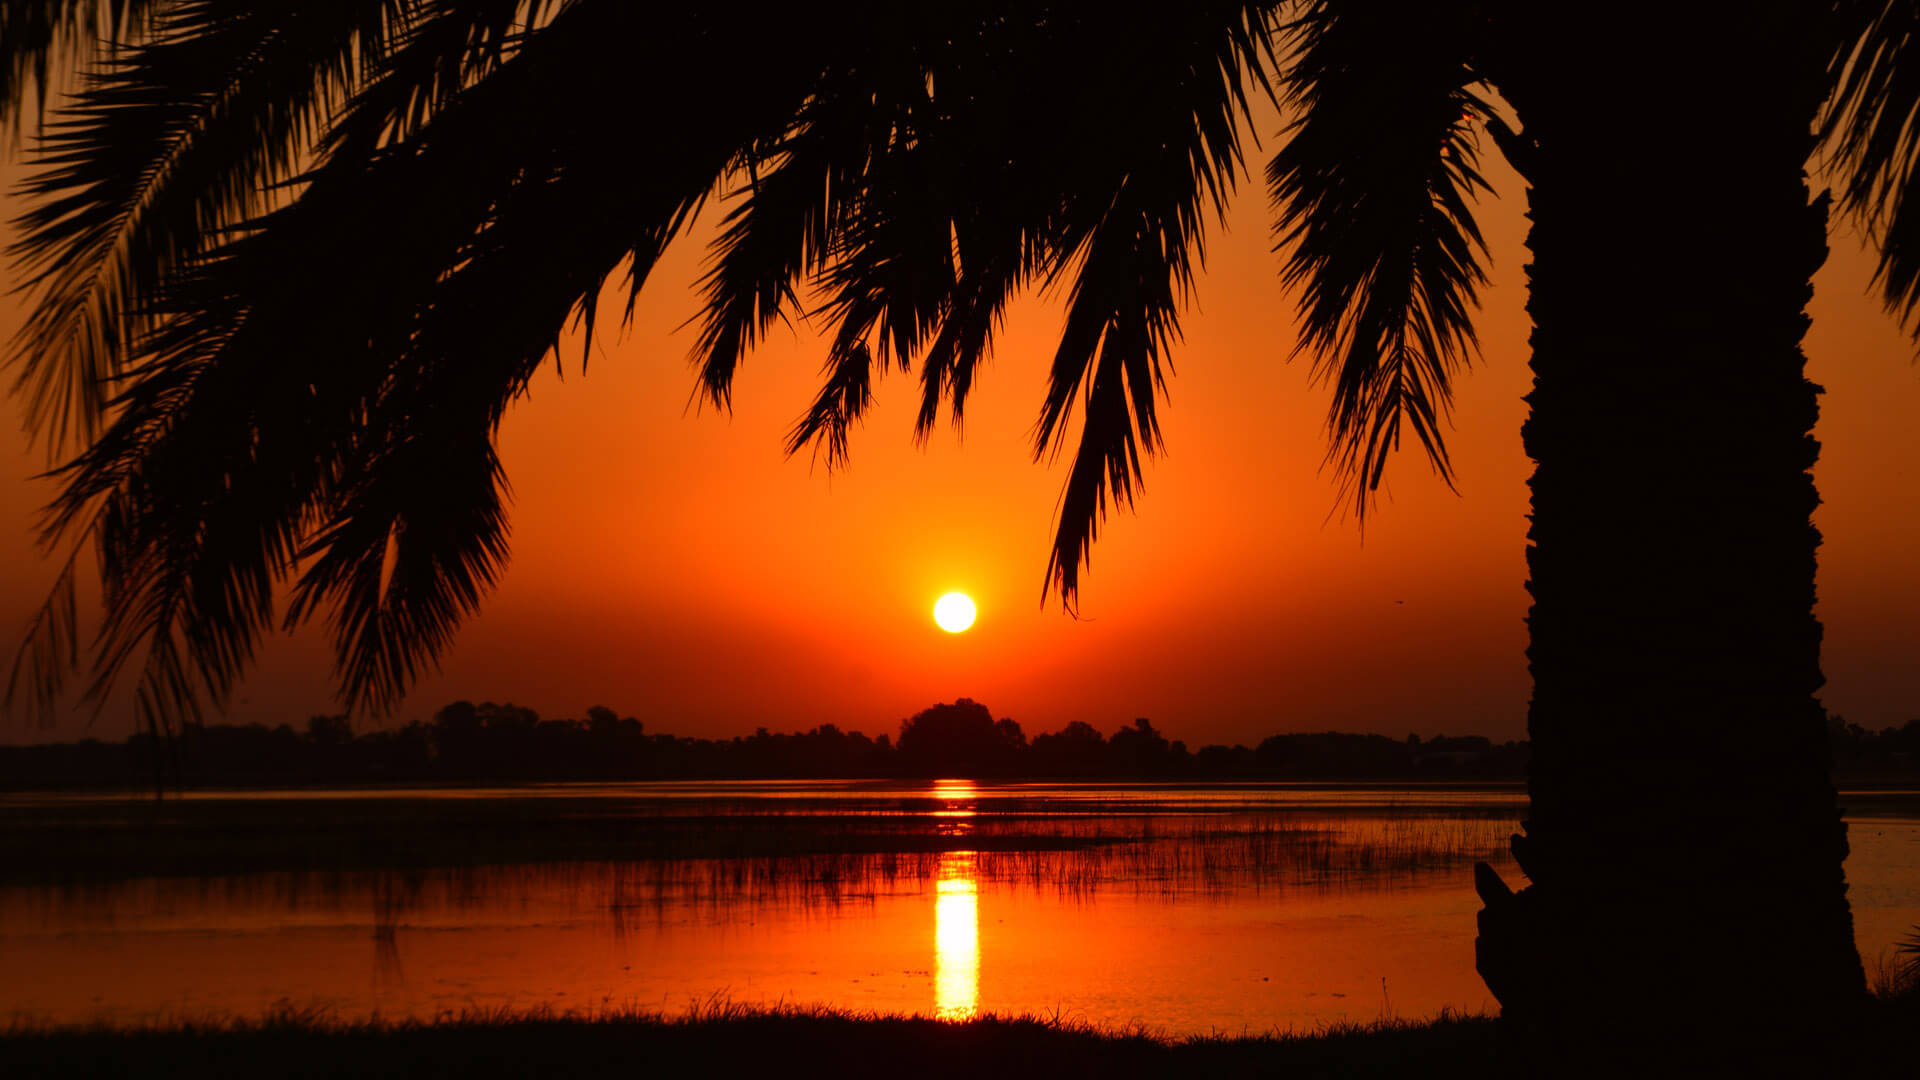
x=66 y=841
x=720 y=1037
x=1173 y=859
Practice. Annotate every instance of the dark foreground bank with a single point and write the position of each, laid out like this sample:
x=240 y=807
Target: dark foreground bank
x=735 y=1041
x=741 y=1042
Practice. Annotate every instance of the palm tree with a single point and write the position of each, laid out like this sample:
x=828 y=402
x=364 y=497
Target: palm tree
x=294 y=260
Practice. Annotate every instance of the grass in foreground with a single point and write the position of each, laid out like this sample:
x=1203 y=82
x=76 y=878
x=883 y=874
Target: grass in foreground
x=723 y=1039
x=732 y=1040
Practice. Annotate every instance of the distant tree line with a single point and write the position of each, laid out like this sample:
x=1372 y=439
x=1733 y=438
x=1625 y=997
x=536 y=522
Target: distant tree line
x=1889 y=751
x=467 y=742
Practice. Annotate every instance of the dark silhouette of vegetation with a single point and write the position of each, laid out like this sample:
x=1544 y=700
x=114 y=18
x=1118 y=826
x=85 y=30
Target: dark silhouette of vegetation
x=468 y=742
x=1906 y=976
x=730 y=1040
x=780 y=842
x=961 y=739
x=260 y=237
x=1857 y=752
x=721 y=1038
x=489 y=742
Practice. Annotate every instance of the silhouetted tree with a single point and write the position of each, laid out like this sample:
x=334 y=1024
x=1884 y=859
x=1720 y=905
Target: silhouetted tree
x=1224 y=761
x=960 y=739
x=1891 y=749
x=334 y=730
x=308 y=377
x=1140 y=750
x=1333 y=754
x=457 y=732
x=1076 y=750
x=602 y=721
x=1009 y=734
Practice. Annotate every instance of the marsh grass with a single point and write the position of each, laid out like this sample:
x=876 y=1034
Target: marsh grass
x=720 y=1037
x=1897 y=976
x=51 y=839
x=1169 y=857
x=817 y=841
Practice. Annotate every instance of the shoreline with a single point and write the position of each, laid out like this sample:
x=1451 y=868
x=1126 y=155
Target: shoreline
x=65 y=836
x=721 y=1038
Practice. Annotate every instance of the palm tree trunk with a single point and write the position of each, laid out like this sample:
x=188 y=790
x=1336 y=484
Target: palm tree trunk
x=1683 y=842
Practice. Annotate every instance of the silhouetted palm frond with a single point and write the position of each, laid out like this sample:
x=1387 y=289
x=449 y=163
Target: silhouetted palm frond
x=1871 y=135
x=839 y=405
x=1134 y=200
x=38 y=35
x=1378 y=228
x=961 y=155
x=321 y=384
x=163 y=149
x=552 y=208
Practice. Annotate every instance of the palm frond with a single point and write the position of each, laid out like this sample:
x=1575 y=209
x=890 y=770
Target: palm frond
x=840 y=404
x=922 y=214
x=36 y=35
x=855 y=195
x=414 y=545
x=570 y=206
x=1000 y=186
x=893 y=272
x=1870 y=135
x=444 y=47
x=944 y=210
x=322 y=386
x=162 y=150
x=782 y=227
x=1136 y=234
x=51 y=647
x=1379 y=230
x=223 y=443
x=985 y=284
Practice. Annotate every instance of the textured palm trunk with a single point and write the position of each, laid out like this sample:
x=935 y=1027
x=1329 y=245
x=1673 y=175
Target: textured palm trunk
x=1683 y=842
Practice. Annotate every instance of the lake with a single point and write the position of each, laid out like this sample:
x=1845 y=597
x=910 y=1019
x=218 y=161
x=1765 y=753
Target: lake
x=1188 y=910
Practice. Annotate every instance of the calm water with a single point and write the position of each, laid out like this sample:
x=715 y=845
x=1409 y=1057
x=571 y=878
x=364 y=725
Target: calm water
x=1187 y=910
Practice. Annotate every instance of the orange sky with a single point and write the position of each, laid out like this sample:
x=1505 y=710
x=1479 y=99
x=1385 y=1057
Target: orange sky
x=675 y=566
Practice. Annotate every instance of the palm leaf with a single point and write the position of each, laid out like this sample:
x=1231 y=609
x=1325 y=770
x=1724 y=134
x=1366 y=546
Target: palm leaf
x=919 y=220
x=857 y=195
x=840 y=404
x=161 y=150
x=322 y=387
x=1870 y=134
x=785 y=223
x=1379 y=230
x=36 y=35
x=1134 y=221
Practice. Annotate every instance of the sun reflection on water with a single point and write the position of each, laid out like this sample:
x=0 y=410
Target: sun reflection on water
x=956 y=797
x=956 y=938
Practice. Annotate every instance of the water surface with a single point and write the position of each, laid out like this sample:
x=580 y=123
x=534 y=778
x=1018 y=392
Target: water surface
x=1188 y=910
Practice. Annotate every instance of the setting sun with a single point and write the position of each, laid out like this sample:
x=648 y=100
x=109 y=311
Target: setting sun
x=954 y=612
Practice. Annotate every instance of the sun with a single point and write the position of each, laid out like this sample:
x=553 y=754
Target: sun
x=954 y=612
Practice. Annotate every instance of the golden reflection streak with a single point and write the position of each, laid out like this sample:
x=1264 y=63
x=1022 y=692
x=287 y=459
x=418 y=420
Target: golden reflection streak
x=958 y=795
x=956 y=938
